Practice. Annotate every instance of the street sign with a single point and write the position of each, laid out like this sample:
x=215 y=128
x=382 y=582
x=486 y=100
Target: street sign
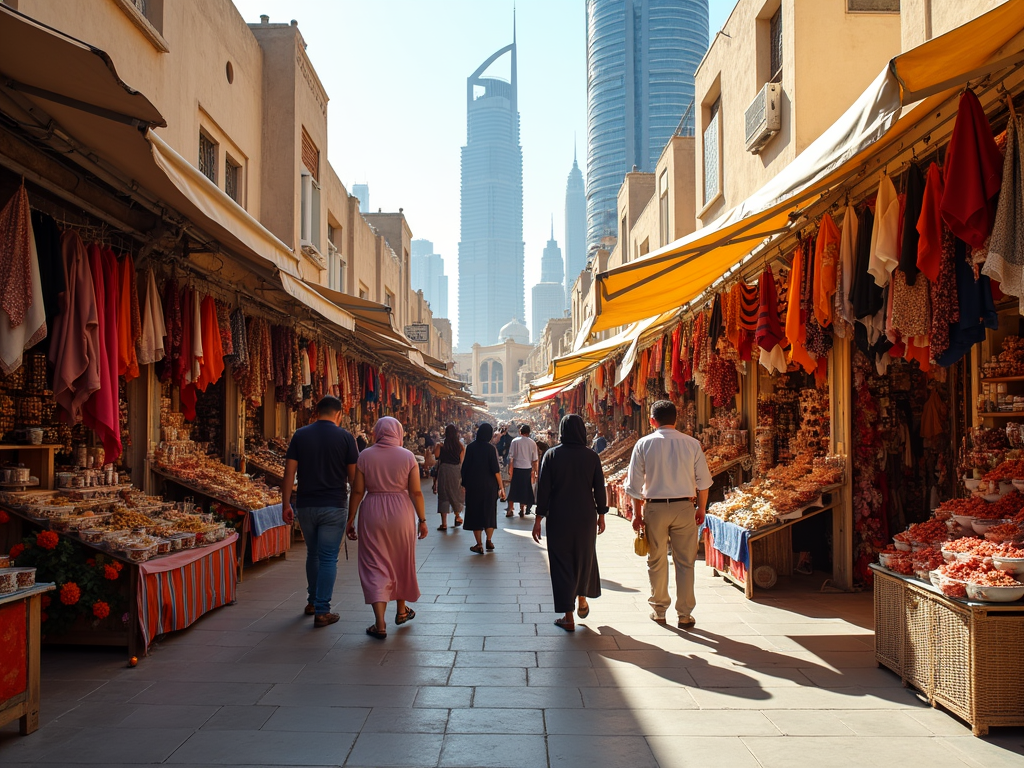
x=418 y=333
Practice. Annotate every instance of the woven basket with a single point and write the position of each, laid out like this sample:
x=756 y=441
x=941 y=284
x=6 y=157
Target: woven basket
x=953 y=669
x=919 y=643
x=890 y=621
x=999 y=669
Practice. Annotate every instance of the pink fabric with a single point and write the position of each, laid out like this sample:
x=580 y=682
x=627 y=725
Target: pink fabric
x=387 y=518
x=75 y=342
x=101 y=413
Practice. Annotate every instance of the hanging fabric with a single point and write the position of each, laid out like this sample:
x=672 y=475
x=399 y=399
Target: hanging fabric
x=1005 y=261
x=101 y=412
x=75 y=346
x=22 y=311
x=151 y=343
x=129 y=325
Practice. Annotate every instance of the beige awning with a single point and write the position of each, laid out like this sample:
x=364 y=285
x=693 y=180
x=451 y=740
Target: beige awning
x=326 y=309
x=678 y=273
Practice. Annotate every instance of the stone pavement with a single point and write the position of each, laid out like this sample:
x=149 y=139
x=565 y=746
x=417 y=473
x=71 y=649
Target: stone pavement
x=482 y=677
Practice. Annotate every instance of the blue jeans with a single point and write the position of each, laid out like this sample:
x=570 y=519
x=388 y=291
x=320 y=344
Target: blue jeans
x=323 y=529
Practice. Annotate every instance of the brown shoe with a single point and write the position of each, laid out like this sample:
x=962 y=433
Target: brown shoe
x=325 y=619
x=310 y=610
x=686 y=622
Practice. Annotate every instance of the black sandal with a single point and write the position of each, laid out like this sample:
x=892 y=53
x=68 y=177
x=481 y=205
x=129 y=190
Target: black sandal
x=458 y=521
x=568 y=626
x=442 y=528
x=409 y=615
x=477 y=548
x=372 y=631
x=490 y=546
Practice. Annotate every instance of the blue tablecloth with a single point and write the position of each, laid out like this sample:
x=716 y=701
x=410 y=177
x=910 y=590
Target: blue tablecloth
x=730 y=539
x=262 y=520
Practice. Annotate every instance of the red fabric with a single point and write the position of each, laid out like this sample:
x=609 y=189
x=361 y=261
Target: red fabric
x=13 y=650
x=769 y=327
x=187 y=394
x=929 y=225
x=127 y=312
x=101 y=412
x=213 y=353
x=15 y=257
x=974 y=174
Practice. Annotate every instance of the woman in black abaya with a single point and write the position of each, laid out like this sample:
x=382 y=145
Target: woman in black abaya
x=571 y=495
x=481 y=477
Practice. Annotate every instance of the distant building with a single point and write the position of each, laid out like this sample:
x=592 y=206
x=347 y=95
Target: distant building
x=427 y=275
x=575 y=229
x=491 y=286
x=549 y=293
x=362 y=192
x=493 y=370
x=641 y=57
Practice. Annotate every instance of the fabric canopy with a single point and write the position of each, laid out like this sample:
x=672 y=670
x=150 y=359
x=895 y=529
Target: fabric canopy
x=567 y=367
x=676 y=274
x=326 y=309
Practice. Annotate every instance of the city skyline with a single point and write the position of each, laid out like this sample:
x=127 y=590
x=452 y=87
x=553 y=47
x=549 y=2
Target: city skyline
x=549 y=294
x=384 y=152
x=575 y=228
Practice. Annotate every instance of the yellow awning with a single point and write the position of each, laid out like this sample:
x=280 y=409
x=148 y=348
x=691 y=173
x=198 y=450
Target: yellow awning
x=676 y=274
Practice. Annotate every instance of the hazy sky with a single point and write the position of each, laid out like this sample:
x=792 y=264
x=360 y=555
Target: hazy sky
x=395 y=72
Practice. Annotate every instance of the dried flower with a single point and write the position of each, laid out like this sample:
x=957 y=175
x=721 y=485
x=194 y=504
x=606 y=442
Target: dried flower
x=16 y=550
x=100 y=609
x=47 y=539
x=110 y=572
x=70 y=593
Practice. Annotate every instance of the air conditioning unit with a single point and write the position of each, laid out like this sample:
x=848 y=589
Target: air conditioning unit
x=763 y=118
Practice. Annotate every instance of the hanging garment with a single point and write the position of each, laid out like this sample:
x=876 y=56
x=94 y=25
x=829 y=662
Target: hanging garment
x=212 y=366
x=769 y=327
x=911 y=314
x=51 y=264
x=307 y=378
x=185 y=364
x=912 y=213
x=101 y=412
x=865 y=293
x=239 y=343
x=1005 y=261
x=977 y=309
x=22 y=311
x=796 y=329
x=929 y=224
x=943 y=293
x=127 y=320
x=934 y=417
x=75 y=346
x=173 y=325
x=151 y=343
x=885 y=253
x=843 y=316
x=716 y=326
x=826 y=264
x=227 y=343
x=974 y=171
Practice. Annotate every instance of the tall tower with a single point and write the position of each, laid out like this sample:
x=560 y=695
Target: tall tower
x=575 y=229
x=491 y=286
x=362 y=192
x=549 y=294
x=426 y=273
x=641 y=57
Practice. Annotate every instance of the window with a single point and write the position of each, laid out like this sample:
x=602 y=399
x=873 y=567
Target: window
x=389 y=299
x=309 y=231
x=208 y=157
x=148 y=18
x=497 y=378
x=364 y=292
x=624 y=237
x=775 y=43
x=310 y=156
x=645 y=248
x=335 y=264
x=485 y=379
x=712 y=153
x=873 y=6
x=233 y=179
x=663 y=208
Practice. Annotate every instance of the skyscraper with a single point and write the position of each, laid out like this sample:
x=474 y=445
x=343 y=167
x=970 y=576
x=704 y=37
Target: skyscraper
x=362 y=191
x=491 y=290
x=426 y=273
x=641 y=56
x=549 y=293
x=575 y=229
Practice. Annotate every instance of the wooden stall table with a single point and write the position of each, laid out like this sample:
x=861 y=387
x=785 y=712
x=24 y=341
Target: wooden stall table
x=746 y=550
x=19 y=656
x=961 y=654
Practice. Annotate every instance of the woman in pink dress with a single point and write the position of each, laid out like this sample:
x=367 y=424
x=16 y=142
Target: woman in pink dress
x=386 y=495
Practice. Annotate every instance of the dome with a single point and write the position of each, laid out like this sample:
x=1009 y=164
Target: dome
x=514 y=330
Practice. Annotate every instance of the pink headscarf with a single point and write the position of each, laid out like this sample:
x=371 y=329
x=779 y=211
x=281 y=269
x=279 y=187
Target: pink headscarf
x=388 y=431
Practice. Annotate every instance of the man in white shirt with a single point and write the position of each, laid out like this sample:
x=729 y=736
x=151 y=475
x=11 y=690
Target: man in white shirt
x=667 y=471
x=523 y=460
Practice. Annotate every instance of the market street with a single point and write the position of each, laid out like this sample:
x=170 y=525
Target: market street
x=481 y=677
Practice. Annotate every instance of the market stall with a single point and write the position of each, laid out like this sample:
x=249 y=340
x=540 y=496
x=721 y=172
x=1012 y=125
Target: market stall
x=19 y=656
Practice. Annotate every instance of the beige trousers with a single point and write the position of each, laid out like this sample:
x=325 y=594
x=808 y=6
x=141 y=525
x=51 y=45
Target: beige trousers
x=665 y=523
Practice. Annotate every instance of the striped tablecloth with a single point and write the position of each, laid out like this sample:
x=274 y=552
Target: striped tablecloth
x=268 y=533
x=176 y=590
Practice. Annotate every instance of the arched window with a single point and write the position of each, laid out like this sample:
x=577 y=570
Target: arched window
x=497 y=378
x=485 y=378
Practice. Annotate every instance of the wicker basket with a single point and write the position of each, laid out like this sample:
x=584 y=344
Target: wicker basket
x=890 y=612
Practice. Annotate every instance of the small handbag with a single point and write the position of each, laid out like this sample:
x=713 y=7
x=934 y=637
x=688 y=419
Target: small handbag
x=640 y=544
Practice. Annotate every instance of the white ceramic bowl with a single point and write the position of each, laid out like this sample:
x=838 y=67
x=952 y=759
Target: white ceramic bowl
x=1012 y=565
x=883 y=559
x=902 y=546
x=965 y=521
x=981 y=524
x=991 y=497
x=935 y=578
x=918 y=546
x=995 y=594
x=971 y=484
x=949 y=557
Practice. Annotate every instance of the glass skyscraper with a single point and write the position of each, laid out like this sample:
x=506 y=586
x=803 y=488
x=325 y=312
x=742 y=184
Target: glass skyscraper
x=641 y=57
x=491 y=290
x=575 y=229
x=549 y=294
x=426 y=273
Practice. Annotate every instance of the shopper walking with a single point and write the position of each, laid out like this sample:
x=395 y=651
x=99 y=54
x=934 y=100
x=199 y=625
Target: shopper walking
x=667 y=471
x=324 y=456
x=481 y=477
x=504 y=444
x=449 y=476
x=523 y=463
x=571 y=495
x=387 y=502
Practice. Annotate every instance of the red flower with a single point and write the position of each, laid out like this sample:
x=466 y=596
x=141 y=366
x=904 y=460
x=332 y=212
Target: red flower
x=16 y=550
x=70 y=593
x=46 y=601
x=4 y=518
x=119 y=565
x=47 y=539
x=91 y=562
x=109 y=572
x=100 y=610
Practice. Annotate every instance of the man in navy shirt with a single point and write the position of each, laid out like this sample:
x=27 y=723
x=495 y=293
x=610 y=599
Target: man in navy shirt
x=324 y=455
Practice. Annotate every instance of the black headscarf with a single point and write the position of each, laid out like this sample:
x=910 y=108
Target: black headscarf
x=484 y=432
x=451 y=448
x=572 y=430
